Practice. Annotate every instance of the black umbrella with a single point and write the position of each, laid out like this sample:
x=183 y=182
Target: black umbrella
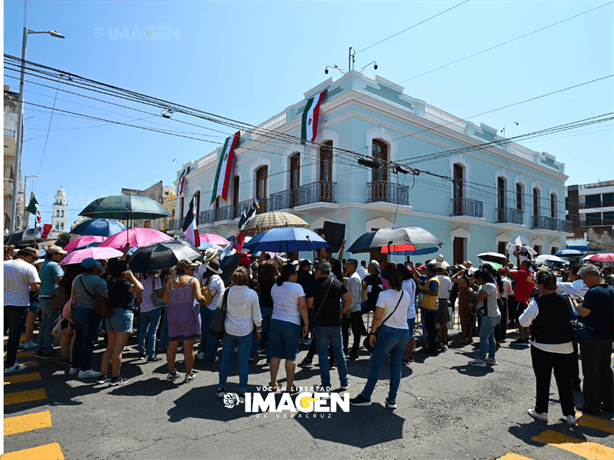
x=228 y=265
x=161 y=256
x=24 y=238
x=399 y=239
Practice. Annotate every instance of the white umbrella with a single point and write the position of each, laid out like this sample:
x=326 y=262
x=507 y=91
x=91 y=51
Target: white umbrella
x=551 y=260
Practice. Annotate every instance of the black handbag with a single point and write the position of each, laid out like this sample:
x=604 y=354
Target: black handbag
x=216 y=328
x=579 y=332
x=367 y=342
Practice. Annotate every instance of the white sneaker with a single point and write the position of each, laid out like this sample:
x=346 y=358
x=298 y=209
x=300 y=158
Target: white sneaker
x=537 y=416
x=172 y=377
x=74 y=370
x=201 y=355
x=16 y=368
x=29 y=344
x=571 y=420
x=88 y=374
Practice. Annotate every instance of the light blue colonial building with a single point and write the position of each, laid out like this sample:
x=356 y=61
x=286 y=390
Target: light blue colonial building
x=494 y=192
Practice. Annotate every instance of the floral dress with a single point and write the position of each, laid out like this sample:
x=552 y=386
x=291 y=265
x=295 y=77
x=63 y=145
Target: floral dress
x=183 y=314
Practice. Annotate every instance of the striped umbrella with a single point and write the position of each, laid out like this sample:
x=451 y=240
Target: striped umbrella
x=270 y=220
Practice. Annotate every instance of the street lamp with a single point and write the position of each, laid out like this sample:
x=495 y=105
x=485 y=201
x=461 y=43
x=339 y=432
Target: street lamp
x=511 y=123
x=19 y=142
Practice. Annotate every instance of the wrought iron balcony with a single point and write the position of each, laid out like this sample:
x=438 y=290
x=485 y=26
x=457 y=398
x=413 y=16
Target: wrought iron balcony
x=173 y=225
x=550 y=223
x=388 y=192
x=467 y=207
x=510 y=215
x=317 y=192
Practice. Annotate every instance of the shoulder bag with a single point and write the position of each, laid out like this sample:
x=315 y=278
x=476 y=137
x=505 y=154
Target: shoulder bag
x=102 y=306
x=204 y=290
x=156 y=300
x=367 y=343
x=579 y=332
x=216 y=328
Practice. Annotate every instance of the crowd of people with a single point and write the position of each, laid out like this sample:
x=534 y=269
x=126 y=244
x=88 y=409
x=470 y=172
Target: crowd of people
x=272 y=306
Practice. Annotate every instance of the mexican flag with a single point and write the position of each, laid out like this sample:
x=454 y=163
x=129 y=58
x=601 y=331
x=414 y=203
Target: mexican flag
x=42 y=231
x=189 y=226
x=182 y=180
x=33 y=209
x=224 y=168
x=309 y=128
x=249 y=215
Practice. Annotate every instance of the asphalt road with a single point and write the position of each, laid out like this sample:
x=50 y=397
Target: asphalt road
x=445 y=410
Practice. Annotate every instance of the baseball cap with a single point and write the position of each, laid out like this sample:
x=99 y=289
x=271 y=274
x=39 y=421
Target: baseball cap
x=90 y=263
x=28 y=252
x=185 y=263
x=375 y=263
x=55 y=250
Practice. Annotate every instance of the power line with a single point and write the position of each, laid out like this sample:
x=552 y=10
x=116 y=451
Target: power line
x=409 y=28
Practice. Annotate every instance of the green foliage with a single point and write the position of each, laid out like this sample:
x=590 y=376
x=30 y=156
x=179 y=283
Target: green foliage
x=63 y=239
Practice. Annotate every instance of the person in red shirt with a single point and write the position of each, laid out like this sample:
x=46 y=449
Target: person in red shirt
x=525 y=284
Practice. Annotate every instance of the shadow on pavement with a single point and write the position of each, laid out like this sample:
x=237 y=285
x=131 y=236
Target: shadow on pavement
x=201 y=402
x=473 y=371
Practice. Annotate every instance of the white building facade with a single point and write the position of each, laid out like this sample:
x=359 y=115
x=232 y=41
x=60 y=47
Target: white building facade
x=493 y=193
x=59 y=216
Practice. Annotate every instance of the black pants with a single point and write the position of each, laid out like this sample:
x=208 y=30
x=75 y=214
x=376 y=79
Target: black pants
x=357 y=325
x=596 y=367
x=14 y=318
x=543 y=364
x=501 y=329
x=429 y=317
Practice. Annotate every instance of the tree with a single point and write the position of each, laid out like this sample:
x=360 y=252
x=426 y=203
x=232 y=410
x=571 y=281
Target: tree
x=63 y=239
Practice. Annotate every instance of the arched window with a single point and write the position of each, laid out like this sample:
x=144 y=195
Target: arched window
x=62 y=213
x=459 y=192
x=553 y=205
x=57 y=213
x=535 y=202
x=326 y=171
x=519 y=196
x=57 y=226
x=295 y=178
x=379 y=176
x=262 y=177
x=501 y=199
x=61 y=225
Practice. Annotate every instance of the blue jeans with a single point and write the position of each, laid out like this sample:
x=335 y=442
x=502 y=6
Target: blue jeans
x=163 y=345
x=87 y=324
x=228 y=347
x=333 y=334
x=48 y=319
x=266 y=312
x=488 y=343
x=393 y=341
x=208 y=343
x=14 y=319
x=148 y=326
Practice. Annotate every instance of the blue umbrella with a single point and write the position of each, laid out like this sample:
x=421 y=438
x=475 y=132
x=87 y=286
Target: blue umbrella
x=99 y=227
x=418 y=252
x=206 y=245
x=286 y=239
x=569 y=253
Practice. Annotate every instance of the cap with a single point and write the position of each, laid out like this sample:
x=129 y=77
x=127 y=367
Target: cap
x=55 y=250
x=375 y=263
x=28 y=252
x=214 y=266
x=467 y=263
x=244 y=260
x=89 y=263
x=185 y=263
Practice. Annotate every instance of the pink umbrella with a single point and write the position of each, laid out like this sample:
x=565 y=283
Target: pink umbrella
x=76 y=257
x=600 y=258
x=82 y=241
x=213 y=238
x=137 y=237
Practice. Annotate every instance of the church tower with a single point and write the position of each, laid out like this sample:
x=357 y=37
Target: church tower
x=59 y=216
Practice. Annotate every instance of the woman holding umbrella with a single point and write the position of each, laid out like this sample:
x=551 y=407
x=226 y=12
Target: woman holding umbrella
x=123 y=287
x=180 y=291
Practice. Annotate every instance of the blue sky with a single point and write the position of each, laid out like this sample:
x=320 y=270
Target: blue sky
x=250 y=60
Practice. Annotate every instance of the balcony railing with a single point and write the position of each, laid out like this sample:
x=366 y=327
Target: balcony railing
x=206 y=217
x=317 y=192
x=173 y=225
x=597 y=204
x=389 y=192
x=550 y=223
x=467 y=207
x=510 y=215
x=597 y=223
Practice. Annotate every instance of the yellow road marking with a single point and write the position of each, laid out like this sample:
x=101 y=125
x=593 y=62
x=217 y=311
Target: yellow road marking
x=590 y=421
x=513 y=456
x=586 y=449
x=23 y=423
x=22 y=338
x=47 y=452
x=25 y=354
x=21 y=378
x=30 y=364
x=24 y=396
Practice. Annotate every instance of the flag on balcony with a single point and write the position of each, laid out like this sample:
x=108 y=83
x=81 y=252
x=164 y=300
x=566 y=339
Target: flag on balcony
x=248 y=215
x=189 y=226
x=224 y=167
x=33 y=209
x=311 y=113
x=182 y=180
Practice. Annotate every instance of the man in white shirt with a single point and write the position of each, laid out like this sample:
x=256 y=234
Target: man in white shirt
x=362 y=270
x=576 y=287
x=20 y=278
x=443 y=313
x=353 y=316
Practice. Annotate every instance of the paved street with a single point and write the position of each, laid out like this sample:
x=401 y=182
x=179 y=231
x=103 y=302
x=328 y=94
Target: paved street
x=446 y=410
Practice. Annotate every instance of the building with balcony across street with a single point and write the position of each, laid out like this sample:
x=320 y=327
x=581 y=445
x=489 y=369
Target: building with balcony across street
x=11 y=176
x=591 y=206
x=493 y=193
